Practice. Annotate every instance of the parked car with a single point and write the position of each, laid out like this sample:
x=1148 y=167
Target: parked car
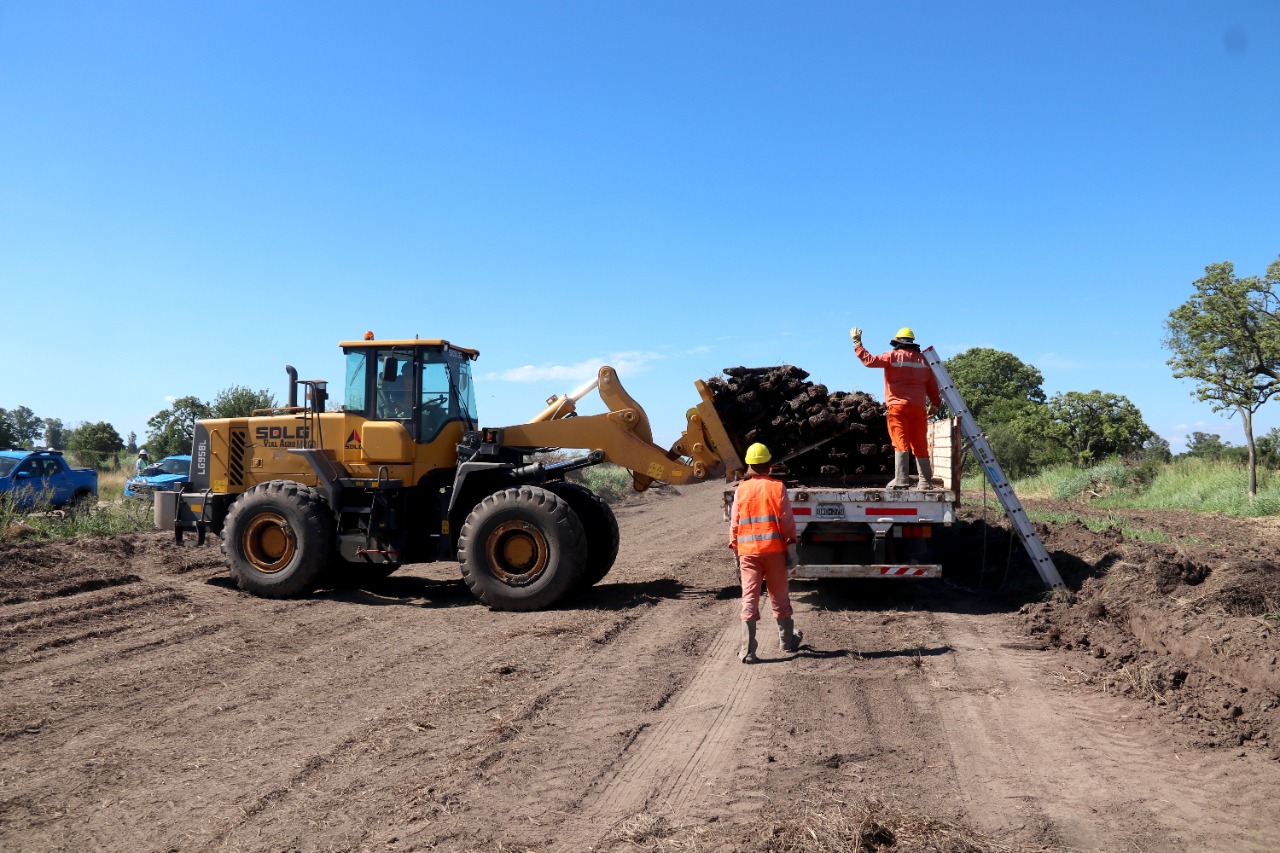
x=34 y=478
x=167 y=475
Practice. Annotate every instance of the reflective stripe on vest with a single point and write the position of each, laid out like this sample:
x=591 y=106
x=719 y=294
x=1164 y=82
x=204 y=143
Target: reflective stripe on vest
x=759 y=517
x=758 y=537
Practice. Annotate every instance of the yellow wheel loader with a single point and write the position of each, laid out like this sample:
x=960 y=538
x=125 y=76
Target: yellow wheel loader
x=402 y=472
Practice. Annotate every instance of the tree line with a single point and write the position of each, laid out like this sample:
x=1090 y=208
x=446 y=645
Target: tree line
x=99 y=444
x=1225 y=337
x=1028 y=431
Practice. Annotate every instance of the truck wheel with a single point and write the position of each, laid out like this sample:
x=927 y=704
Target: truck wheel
x=599 y=525
x=277 y=539
x=81 y=503
x=521 y=549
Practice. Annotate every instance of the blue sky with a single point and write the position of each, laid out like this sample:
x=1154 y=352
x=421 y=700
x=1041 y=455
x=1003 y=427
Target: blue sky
x=193 y=195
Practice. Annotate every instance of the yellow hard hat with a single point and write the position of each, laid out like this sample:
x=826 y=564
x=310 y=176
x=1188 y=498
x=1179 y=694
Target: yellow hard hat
x=758 y=454
x=905 y=334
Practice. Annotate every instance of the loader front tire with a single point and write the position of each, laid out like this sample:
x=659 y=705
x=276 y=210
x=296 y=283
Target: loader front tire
x=600 y=526
x=277 y=539
x=521 y=549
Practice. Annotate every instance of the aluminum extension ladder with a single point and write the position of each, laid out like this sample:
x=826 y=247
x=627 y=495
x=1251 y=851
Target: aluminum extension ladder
x=987 y=459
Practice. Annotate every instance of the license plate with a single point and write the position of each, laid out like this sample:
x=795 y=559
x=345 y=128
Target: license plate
x=830 y=511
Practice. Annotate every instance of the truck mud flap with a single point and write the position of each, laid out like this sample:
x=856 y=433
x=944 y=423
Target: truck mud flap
x=897 y=570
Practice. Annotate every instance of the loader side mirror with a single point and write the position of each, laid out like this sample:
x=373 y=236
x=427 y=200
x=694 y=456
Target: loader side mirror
x=390 y=369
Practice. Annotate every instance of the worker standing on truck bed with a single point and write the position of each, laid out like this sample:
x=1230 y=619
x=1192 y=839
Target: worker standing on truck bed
x=909 y=389
x=761 y=529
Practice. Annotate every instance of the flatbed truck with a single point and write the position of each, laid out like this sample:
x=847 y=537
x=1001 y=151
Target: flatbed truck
x=857 y=527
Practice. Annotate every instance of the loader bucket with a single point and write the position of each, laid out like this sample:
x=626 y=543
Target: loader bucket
x=722 y=445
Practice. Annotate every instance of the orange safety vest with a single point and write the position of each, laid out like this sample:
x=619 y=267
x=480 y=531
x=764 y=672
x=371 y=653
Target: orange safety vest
x=908 y=379
x=759 y=520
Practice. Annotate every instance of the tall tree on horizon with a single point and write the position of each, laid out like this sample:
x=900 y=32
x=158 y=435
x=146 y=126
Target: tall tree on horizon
x=1226 y=337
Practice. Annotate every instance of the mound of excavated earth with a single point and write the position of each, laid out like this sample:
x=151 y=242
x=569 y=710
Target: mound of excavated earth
x=830 y=433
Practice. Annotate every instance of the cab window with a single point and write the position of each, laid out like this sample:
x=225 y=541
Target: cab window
x=393 y=385
x=466 y=392
x=354 y=401
x=437 y=406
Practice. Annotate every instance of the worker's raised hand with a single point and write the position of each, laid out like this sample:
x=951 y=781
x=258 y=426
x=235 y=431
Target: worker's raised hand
x=855 y=334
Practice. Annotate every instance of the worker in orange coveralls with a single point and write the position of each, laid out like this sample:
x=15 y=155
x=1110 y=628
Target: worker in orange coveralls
x=762 y=532
x=909 y=389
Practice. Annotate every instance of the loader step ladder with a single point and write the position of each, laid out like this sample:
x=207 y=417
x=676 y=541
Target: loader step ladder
x=987 y=459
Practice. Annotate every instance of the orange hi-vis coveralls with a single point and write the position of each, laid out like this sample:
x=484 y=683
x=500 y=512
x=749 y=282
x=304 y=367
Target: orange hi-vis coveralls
x=908 y=383
x=761 y=526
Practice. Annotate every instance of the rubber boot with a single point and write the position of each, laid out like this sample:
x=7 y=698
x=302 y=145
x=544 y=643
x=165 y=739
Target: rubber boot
x=788 y=637
x=747 y=654
x=901 y=469
x=925 y=466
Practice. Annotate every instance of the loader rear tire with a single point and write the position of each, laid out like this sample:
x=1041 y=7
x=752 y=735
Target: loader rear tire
x=277 y=539
x=521 y=549
x=600 y=526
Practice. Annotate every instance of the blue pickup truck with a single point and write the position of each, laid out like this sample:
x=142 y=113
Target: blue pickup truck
x=37 y=478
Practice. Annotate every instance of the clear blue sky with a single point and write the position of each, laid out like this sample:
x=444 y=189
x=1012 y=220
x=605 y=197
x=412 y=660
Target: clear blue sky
x=193 y=195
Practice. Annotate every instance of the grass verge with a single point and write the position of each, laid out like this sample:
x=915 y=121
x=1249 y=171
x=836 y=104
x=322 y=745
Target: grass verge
x=118 y=516
x=1192 y=485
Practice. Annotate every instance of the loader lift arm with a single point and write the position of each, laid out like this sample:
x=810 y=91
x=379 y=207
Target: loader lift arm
x=623 y=435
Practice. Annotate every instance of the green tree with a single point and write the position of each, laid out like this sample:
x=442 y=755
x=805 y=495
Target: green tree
x=995 y=385
x=1094 y=425
x=8 y=435
x=1024 y=441
x=1205 y=445
x=1269 y=449
x=94 y=444
x=172 y=430
x=27 y=428
x=1226 y=337
x=1156 y=448
x=55 y=434
x=131 y=444
x=239 y=402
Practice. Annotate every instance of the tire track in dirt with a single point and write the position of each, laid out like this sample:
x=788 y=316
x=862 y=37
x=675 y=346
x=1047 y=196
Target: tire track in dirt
x=1027 y=753
x=550 y=729
x=28 y=630
x=626 y=679
x=689 y=744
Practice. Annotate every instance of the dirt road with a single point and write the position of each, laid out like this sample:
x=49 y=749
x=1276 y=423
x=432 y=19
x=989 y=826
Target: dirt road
x=145 y=704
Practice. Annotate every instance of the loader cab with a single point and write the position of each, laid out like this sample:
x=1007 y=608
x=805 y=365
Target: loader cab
x=425 y=385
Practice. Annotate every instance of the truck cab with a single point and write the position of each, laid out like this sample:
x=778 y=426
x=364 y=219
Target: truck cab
x=35 y=478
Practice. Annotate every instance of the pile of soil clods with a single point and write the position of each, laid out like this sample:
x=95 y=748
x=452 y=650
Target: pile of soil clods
x=778 y=407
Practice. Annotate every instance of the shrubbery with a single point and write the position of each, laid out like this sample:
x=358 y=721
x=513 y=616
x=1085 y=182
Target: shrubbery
x=1185 y=483
x=127 y=516
x=608 y=481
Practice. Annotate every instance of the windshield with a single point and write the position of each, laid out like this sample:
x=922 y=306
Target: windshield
x=172 y=465
x=7 y=465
